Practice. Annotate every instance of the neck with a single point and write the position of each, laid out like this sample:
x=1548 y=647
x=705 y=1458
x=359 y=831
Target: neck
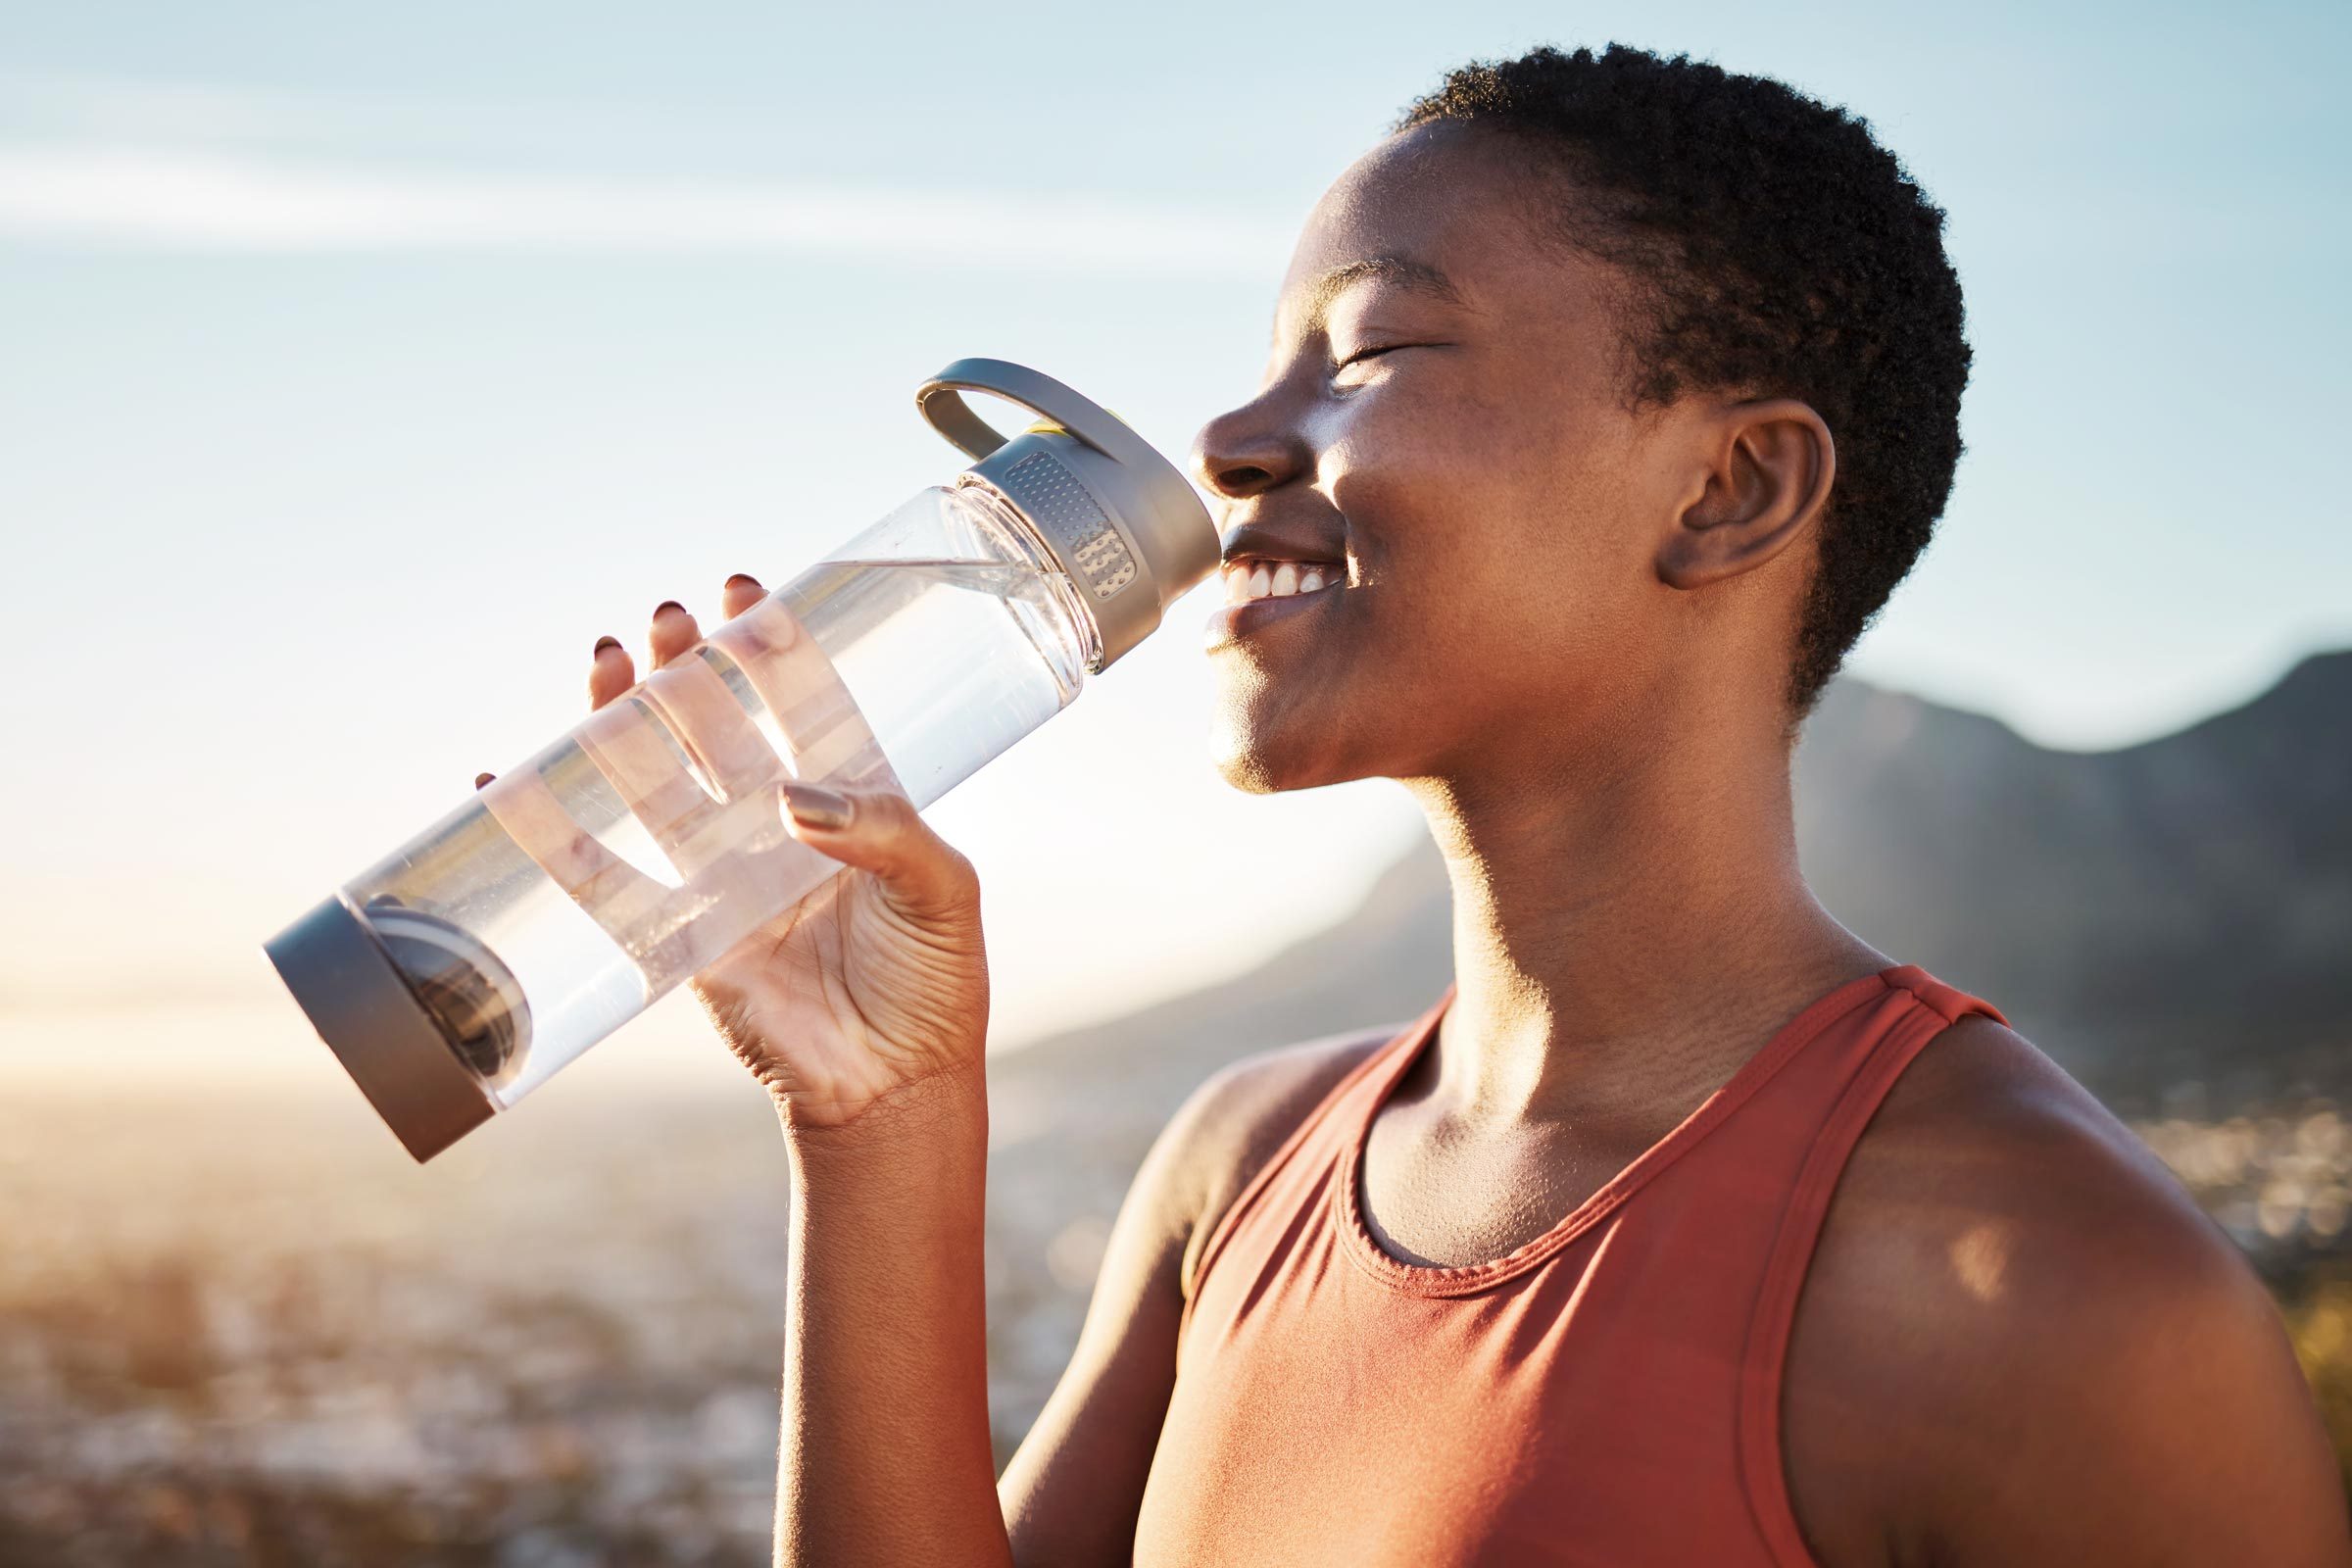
x=1626 y=933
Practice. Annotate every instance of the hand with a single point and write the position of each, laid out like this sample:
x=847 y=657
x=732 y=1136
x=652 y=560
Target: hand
x=869 y=989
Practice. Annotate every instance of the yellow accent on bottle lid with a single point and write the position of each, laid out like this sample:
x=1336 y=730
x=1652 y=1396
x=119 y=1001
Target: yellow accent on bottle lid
x=1049 y=427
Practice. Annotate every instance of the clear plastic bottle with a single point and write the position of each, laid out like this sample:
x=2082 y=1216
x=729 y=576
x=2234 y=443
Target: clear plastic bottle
x=460 y=971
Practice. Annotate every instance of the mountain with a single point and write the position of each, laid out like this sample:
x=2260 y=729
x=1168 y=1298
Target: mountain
x=2173 y=914
x=2172 y=919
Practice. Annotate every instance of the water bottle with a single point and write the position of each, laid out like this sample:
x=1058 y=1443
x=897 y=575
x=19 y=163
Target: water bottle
x=458 y=973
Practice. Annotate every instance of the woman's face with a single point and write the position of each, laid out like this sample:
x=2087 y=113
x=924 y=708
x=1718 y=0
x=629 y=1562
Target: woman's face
x=1439 y=424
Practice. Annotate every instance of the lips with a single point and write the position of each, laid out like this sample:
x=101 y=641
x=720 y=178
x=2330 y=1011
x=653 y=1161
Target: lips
x=1273 y=541
x=1274 y=572
x=1230 y=624
x=1246 y=616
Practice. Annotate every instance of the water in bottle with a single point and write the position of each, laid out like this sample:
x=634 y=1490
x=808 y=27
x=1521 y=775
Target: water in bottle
x=559 y=902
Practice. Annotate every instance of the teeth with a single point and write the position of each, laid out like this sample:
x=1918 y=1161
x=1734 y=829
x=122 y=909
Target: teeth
x=1275 y=580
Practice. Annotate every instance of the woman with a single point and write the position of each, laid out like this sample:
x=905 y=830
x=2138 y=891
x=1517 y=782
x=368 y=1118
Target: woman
x=1608 y=398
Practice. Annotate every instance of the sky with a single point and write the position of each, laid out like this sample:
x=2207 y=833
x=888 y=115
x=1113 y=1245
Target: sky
x=359 y=367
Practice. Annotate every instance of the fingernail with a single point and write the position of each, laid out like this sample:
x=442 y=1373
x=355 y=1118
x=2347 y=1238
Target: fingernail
x=665 y=607
x=744 y=579
x=603 y=643
x=480 y=779
x=814 y=806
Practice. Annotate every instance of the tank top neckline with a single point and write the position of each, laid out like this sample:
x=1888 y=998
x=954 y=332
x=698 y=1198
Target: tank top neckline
x=1418 y=1278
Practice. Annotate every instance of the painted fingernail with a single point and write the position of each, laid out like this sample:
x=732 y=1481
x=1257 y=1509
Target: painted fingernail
x=480 y=779
x=665 y=607
x=603 y=643
x=743 y=579
x=814 y=806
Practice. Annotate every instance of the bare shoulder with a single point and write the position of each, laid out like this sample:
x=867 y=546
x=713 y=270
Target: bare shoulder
x=2054 y=1349
x=1073 y=1491
x=1237 y=1120
x=2018 y=1177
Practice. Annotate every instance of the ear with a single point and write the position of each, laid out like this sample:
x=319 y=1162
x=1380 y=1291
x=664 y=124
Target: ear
x=1765 y=475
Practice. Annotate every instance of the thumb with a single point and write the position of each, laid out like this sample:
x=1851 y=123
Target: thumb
x=881 y=832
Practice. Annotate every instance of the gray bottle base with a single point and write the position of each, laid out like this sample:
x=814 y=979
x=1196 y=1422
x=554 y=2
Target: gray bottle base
x=357 y=1001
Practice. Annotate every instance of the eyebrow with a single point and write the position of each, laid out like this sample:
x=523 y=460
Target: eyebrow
x=1402 y=270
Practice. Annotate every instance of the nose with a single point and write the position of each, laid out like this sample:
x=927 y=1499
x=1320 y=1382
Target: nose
x=1246 y=451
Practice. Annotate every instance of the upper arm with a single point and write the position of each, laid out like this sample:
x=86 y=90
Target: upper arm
x=1074 y=1489
x=2053 y=1356
x=2163 y=1420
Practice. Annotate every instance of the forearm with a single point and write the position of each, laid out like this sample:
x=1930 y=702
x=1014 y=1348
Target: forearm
x=885 y=1451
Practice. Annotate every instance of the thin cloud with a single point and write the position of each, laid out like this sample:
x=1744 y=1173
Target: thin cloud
x=174 y=200
x=94 y=111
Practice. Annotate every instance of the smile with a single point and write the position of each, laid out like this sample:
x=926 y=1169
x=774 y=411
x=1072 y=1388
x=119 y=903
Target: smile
x=1248 y=580
x=1259 y=593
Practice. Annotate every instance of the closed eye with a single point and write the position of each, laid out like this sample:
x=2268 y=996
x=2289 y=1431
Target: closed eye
x=1361 y=354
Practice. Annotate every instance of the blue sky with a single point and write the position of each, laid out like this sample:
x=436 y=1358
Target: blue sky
x=359 y=366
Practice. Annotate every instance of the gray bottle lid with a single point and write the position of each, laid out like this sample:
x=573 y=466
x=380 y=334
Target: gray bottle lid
x=1118 y=518
x=347 y=983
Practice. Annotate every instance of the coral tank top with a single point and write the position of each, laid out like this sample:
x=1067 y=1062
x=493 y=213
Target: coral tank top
x=1608 y=1394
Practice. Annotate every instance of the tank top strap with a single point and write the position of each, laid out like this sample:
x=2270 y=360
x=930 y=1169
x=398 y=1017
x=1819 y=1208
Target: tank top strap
x=1885 y=1053
x=1373 y=1074
x=1953 y=1005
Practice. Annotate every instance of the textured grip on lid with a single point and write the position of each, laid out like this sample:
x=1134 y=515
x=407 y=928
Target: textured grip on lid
x=1063 y=508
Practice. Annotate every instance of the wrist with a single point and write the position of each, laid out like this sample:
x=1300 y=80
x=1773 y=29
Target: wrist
x=929 y=1118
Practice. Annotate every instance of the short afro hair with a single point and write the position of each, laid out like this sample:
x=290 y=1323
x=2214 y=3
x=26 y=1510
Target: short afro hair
x=1775 y=250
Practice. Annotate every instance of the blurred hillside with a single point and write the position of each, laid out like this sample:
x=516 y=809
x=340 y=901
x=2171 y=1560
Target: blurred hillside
x=2174 y=918
x=242 y=1328
x=2171 y=916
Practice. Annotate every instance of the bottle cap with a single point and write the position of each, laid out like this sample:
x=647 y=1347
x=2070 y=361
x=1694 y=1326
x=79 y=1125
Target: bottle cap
x=1119 y=518
x=373 y=1021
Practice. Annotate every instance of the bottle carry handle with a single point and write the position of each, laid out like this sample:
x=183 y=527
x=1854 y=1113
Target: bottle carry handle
x=942 y=405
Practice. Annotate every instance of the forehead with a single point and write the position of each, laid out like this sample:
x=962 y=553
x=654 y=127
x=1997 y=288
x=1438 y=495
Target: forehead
x=1442 y=211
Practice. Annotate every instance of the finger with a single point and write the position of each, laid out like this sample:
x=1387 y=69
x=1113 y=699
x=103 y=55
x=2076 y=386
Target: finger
x=613 y=673
x=707 y=717
x=674 y=632
x=614 y=893
x=880 y=831
x=742 y=592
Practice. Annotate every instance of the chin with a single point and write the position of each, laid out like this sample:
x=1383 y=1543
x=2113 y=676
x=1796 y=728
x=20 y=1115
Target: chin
x=1259 y=754
x=1249 y=774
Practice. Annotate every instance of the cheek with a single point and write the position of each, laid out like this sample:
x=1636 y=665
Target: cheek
x=1425 y=486
x=1504 y=569
x=1477 y=526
